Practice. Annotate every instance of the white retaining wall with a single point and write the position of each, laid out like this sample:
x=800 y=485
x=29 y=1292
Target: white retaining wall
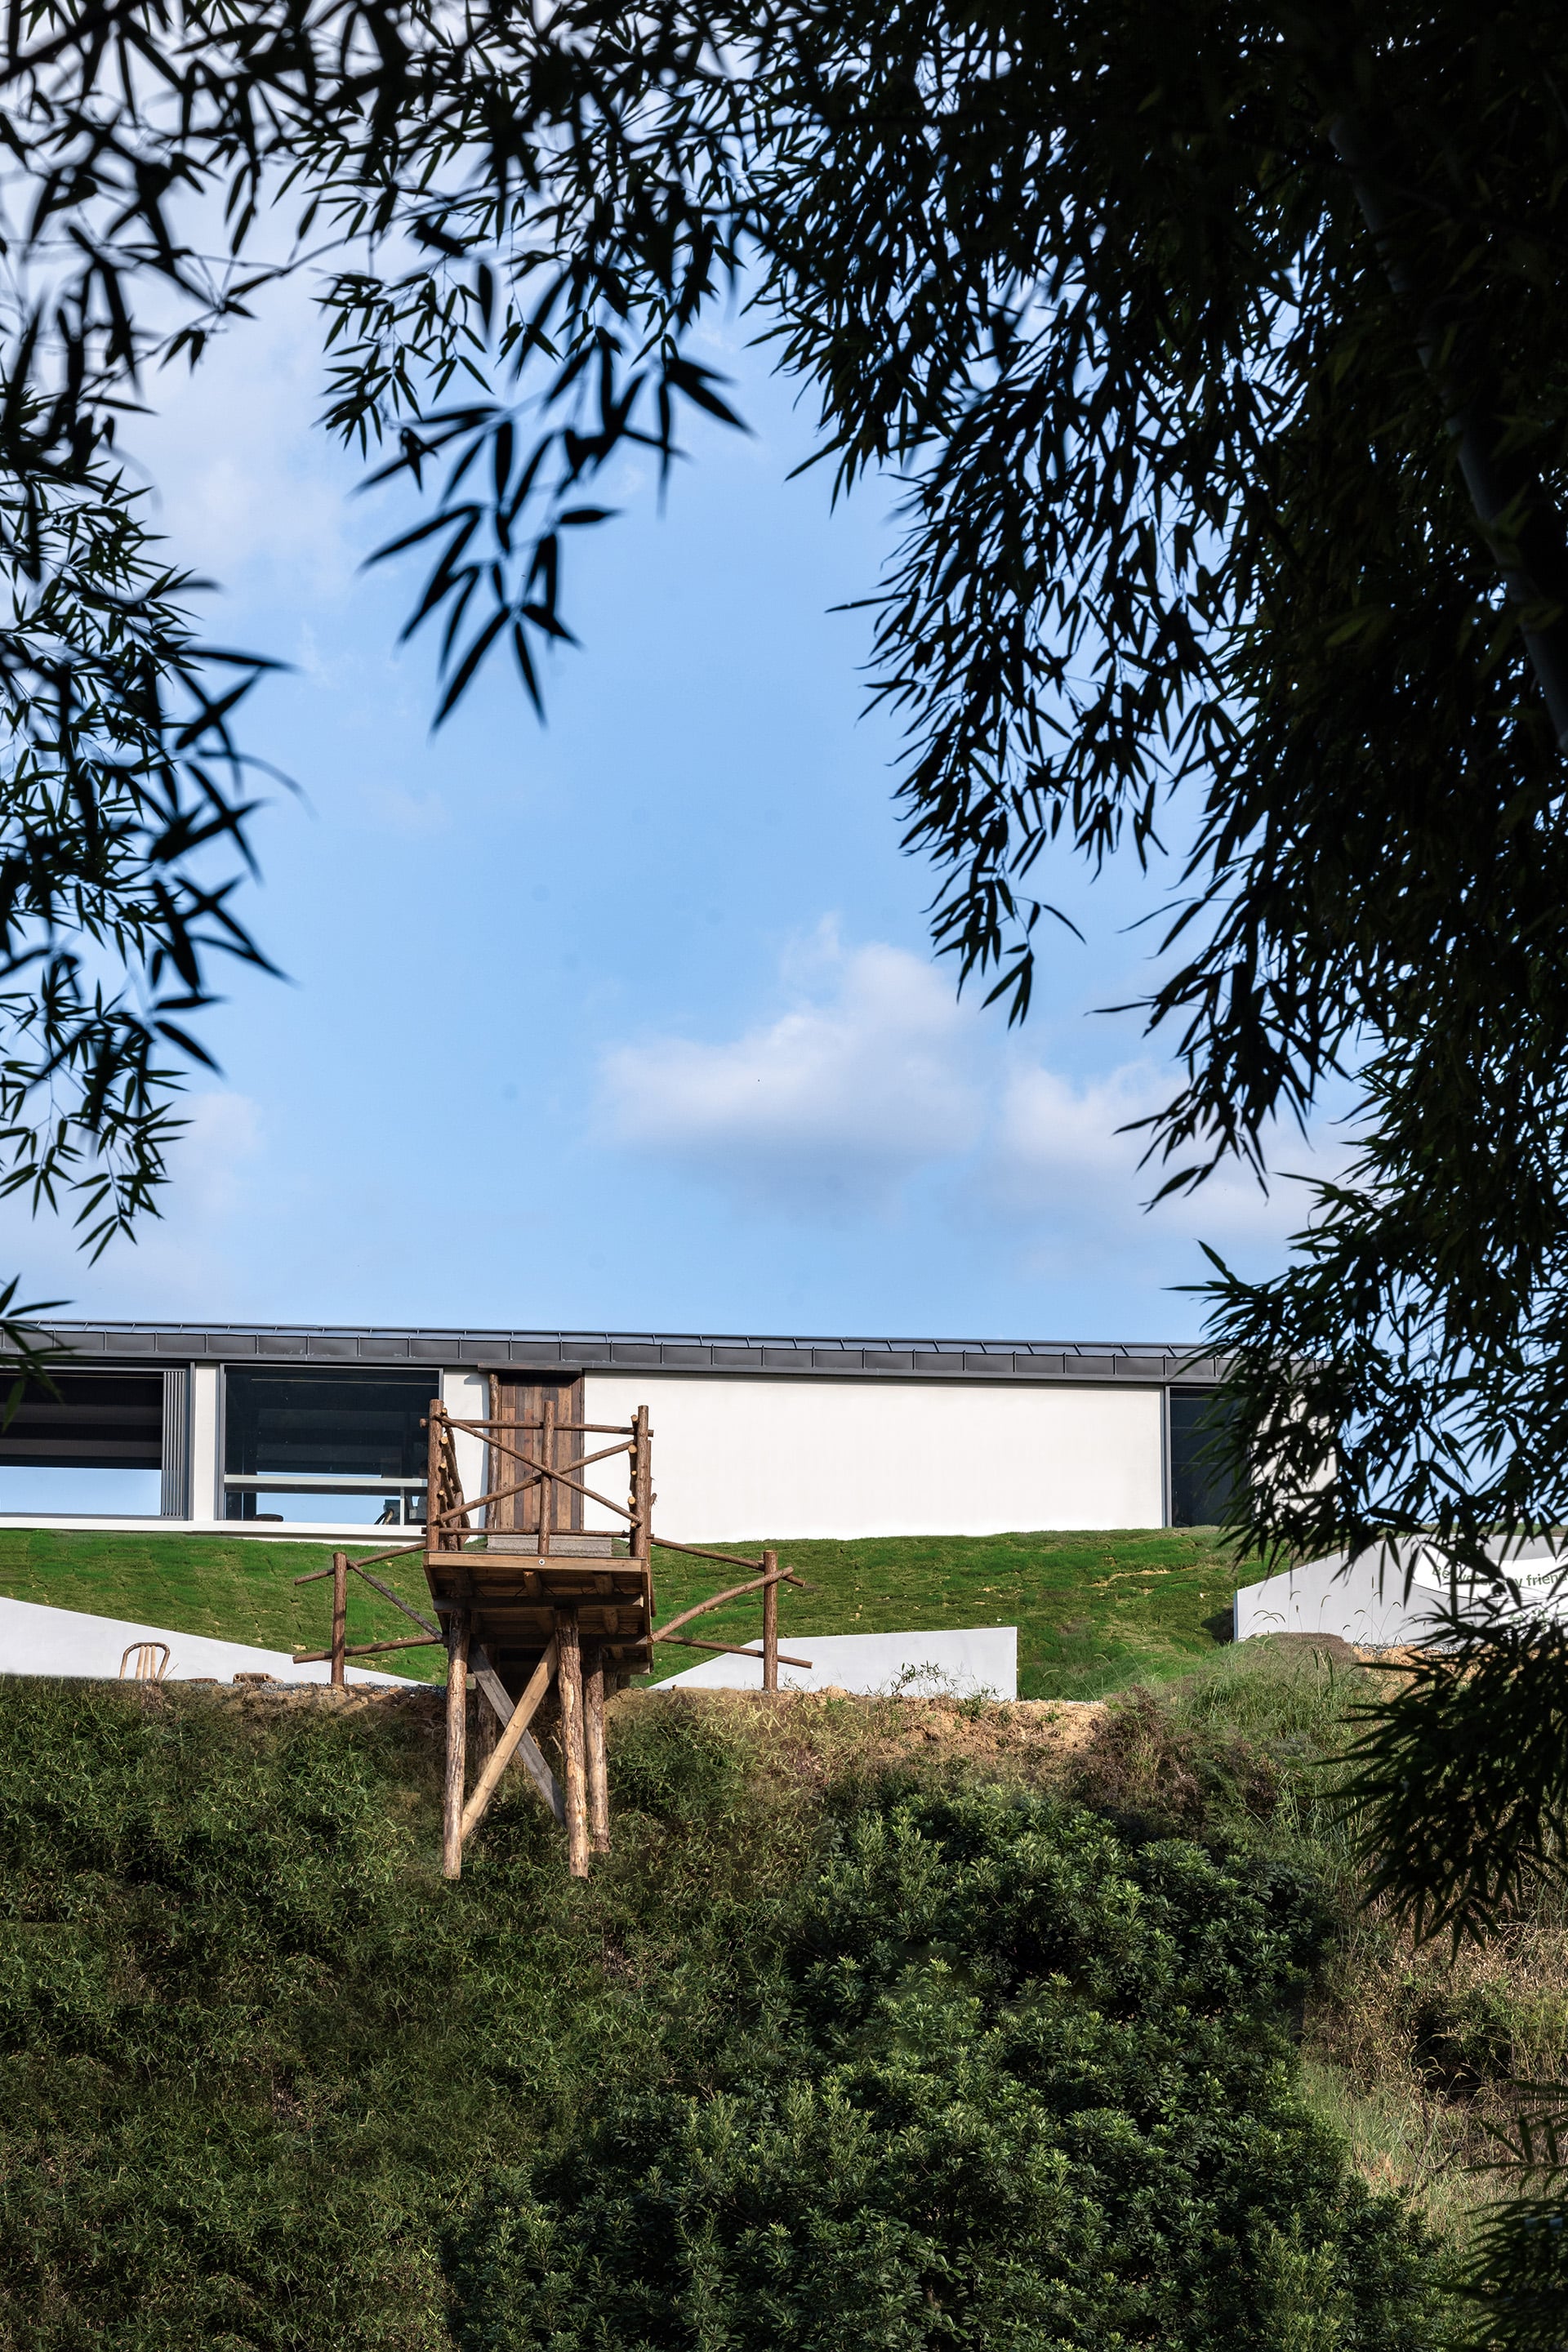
x=1364 y=1600
x=960 y=1662
x=35 y=1640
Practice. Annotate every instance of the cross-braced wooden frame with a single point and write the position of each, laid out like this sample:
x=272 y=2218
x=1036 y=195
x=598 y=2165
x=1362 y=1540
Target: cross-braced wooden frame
x=551 y=1609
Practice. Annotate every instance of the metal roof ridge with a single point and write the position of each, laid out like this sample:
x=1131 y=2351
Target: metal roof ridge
x=653 y=1338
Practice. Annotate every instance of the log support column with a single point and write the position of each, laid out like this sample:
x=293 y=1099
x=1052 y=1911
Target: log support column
x=770 y=1623
x=594 y=1728
x=573 y=1742
x=340 y=1617
x=457 y=1630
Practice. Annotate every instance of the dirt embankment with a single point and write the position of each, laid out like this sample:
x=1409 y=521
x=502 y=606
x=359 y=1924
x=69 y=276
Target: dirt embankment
x=1020 y=1733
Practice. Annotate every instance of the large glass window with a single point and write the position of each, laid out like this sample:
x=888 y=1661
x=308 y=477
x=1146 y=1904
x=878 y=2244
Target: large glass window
x=1200 y=1487
x=338 y=1447
x=93 y=1442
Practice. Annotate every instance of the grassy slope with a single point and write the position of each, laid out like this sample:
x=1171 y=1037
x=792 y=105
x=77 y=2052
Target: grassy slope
x=238 y=1588
x=1095 y=1611
x=1418 y=2055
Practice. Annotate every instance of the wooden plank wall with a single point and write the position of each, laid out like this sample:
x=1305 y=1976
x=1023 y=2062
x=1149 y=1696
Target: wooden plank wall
x=515 y=1400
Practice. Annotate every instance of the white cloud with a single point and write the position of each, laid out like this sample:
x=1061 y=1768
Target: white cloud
x=866 y=1079
x=223 y=1132
x=1064 y=1165
x=875 y=1074
x=1053 y=1137
x=244 y=481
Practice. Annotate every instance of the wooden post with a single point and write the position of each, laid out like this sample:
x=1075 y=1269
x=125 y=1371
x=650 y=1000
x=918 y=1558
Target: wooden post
x=433 y=1474
x=640 y=1497
x=593 y=1740
x=458 y=1628
x=339 y=1616
x=770 y=1624
x=574 y=1759
x=641 y=1501
x=547 y=1484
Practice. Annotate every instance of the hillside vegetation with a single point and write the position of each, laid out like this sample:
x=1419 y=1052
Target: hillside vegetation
x=931 y=2025
x=1094 y=1611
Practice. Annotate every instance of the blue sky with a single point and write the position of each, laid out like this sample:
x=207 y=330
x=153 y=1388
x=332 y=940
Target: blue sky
x=630 y=1021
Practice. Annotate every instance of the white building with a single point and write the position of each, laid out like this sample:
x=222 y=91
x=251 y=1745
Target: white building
x=263 y=1429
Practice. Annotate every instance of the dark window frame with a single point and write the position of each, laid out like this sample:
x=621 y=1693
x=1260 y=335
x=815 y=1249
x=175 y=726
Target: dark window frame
x=354 y=1450
x=96 y=1420
x=1198 y=1496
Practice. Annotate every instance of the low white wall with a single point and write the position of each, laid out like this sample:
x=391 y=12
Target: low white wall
x=745 y=1458
x=37 y=1640
x=959 y=1661
x=1362 y=1603
x=1365 y=1599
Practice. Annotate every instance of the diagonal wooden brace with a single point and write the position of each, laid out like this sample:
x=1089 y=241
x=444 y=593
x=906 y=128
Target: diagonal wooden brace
x=530 y=1754
x=514 y=1733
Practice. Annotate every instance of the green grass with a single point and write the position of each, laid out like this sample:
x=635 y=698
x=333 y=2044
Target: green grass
x=236 y=1588
x=1094 y=1611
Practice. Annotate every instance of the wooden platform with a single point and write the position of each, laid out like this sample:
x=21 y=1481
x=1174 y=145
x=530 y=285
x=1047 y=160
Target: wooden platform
x=516 y=1600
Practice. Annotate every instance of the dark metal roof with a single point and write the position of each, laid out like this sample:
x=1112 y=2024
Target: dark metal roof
x=651 y=1351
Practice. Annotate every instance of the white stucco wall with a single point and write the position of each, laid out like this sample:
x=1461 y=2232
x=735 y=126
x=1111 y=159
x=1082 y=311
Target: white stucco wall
x=1365 y=1599
x=37 y=1640
x=747 y=1457
x=207 y=1445
x=956 y=1662
x=466 y=1396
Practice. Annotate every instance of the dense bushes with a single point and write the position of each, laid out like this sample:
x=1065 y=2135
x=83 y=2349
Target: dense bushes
x=814 y=2060
x=1028 y=2089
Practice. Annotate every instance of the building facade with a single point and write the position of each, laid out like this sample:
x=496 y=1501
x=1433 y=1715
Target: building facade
x=316 y=1431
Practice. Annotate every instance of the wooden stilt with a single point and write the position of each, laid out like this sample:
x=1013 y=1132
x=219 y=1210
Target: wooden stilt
x=339 y=1616
x=573 y=1759
x=486 y=1723
x=594 y=1740
x=457 y=1626
x=770 y=1623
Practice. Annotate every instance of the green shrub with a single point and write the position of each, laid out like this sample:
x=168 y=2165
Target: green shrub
x=1024 y=2084
x=805 y=2054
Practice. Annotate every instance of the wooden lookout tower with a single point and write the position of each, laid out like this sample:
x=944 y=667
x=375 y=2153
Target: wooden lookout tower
x=527 y=1601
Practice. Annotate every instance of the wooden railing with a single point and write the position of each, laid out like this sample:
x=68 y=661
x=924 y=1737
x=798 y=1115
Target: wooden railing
x=449 y=1528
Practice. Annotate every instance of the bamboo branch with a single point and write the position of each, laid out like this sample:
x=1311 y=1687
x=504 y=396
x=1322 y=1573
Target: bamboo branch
x=369 y=1649
x=573 y=1428
x=396 y=1600
x=728 y=1558
x=370 y=1559
x=606 y=1453
x=561 y=1477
